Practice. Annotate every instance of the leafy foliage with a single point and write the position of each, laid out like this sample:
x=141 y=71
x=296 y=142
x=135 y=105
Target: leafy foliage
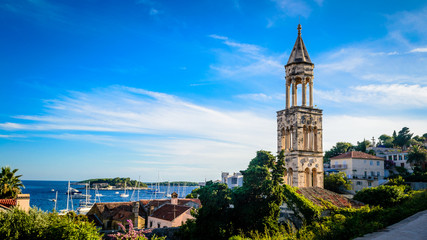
x=133 y=234
x=194 y=193
x=10 y=184
x=403 y=137
x=36 y=224
x=417 y=156
x=337 y=182
x=384 y=196
x=339 y=148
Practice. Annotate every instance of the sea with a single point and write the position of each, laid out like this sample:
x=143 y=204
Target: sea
x=43 y=194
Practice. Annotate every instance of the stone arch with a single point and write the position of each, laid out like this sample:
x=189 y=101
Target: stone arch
x=290 y=176
x=316 y=145
x=314 y=177
x=305 y=137
x=285 y=176
x=283 y=138
x=310 y=138
x=291 y=136
x=307 y=177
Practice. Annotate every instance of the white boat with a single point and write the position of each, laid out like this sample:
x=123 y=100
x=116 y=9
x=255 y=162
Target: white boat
x=85 y=206
x=124 y=195
x=65 y=211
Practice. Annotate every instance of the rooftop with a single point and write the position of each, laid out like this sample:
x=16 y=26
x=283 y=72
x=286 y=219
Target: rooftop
x=357 y=155
x=169 y=211
x=315 y=194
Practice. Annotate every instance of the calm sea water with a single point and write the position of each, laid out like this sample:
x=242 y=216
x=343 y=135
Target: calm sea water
x=43 y=192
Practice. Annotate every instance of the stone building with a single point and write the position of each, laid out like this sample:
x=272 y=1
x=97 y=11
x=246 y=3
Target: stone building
x=299 y=126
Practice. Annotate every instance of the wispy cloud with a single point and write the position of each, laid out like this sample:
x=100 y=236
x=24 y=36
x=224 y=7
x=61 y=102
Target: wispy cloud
x=419 y=50
x=384 y=95
x=243 y=61
x=155 y=126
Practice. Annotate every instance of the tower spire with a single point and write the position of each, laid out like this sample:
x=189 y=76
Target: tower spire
x=299 y=52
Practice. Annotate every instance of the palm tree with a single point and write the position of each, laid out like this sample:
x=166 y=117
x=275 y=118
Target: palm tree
x=417 y=156
x=10 y=184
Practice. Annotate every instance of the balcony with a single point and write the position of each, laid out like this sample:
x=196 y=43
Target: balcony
x=339 y=166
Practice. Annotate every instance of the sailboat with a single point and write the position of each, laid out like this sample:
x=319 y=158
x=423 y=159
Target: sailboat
x=65 y=211
x=124 y=195
x=168 y=194
x=86 y=205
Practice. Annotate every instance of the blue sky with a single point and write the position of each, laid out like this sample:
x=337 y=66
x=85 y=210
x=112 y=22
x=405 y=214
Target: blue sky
x=185 y=90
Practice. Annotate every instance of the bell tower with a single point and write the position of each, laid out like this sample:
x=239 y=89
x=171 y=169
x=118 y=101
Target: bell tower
x=299 y=125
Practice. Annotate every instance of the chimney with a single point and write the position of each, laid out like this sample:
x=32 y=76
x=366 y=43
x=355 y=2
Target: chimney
x=174 y=198
x=135 y=211
x=23 y=202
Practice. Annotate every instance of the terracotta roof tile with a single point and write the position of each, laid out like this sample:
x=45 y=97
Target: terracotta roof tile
x=314 y=194
x=8 y=202
x=357 y=155
x=169 y=212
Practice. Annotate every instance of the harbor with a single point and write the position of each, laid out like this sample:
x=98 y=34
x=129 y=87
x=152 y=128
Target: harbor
x=43 y=194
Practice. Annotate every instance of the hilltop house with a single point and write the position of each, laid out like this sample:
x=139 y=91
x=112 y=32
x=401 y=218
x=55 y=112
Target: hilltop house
x=364 y=169
x=232 y=181
x=22 y=202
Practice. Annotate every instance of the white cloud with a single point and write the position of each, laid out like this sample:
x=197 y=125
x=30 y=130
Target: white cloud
x=244 y=61
x=153 y=11
x=379 y=96
x=157 y=127
x=346 y=128
x=293 y=8
x=419 y=50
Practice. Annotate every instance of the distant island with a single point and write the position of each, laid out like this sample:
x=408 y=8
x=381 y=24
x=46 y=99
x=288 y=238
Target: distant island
x=118 y=183
x=106 y=183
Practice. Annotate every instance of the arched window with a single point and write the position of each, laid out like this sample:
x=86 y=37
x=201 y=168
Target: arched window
x=314 y=177
x=283 y=139
x=290 y=177
x=305 y=138
x=307 y=177
x=291 y=136
x=285 y=177
x=316 y=147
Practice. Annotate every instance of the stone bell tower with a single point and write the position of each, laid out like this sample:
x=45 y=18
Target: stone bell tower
x=299 y=126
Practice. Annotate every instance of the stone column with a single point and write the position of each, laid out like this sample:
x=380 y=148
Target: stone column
x=294 y=99
x=311 y=92
x=287 y=94
x=304 y=98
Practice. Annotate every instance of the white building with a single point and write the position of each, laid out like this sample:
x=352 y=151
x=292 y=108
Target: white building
x=396 y=155
x=363 y=169
x=232 y=181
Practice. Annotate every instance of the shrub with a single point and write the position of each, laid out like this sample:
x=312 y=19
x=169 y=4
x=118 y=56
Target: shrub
x=337 y=182
x=36 y=224
x=385 y=196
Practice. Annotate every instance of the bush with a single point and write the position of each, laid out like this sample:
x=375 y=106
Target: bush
x=337 y=182
x=385 y=196
x=36 y=224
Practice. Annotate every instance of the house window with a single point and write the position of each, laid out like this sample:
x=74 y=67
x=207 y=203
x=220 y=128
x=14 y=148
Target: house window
x=371 y=163
x=364 y=161
x=378 y=174
x=400 y=157
x=369 y=184
x=405 y=157
x=372 y=174
x=366 y=173
x=390 y=157
x=151 y=223
x=402 y=164
x=158 y=225
x=378 y=163
x=234 y=180
x=395 y=157
x=359 y=183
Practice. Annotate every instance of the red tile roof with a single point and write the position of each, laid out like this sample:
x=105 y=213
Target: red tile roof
x=8 y=202
x=169 y=211
x=357 y=155
x=314 y=194
x=159 y=202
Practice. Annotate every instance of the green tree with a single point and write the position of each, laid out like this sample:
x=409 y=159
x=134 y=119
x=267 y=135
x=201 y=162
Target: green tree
x=213 y=220
x=10 y=184
x=194 y=193
x=386 y=140
x=257 y=202
x=337 y=182
x=417 y=156
x=339 y=148
x=361 y=146
x=403 y=137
